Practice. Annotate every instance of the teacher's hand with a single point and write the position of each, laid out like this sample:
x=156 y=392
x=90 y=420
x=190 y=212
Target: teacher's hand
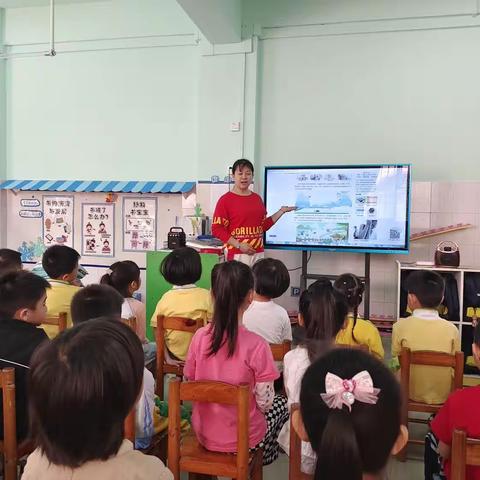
x=246 y=248
x=286 y=209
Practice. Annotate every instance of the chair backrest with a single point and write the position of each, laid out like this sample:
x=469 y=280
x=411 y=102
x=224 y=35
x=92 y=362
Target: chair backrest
x=210 y=392
x=129 y=426
x=280 y=349
x=432 y=359
x=59 y=321
x=131 y=322
x=295 y=454
x=9 y=444
x=465 y=451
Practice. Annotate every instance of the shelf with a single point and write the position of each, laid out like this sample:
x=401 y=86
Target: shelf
x=432 y=232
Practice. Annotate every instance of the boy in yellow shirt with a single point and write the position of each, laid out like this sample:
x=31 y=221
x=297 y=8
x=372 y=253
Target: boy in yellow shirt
x=425 y=330
x=182 y=268
x=357 y=330
x=61 y=264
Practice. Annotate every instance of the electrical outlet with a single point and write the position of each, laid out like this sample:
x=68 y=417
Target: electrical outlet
x=295 y=291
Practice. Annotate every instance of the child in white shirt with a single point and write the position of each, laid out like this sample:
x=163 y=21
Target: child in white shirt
x=264 y=317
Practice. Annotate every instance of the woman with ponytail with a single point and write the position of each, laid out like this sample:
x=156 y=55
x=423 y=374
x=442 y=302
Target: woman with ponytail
x=322 y=313
x=357 y=331
x=226 y=351
x=350 y=412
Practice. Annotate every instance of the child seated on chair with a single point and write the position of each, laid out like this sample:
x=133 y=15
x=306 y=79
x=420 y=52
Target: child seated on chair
x=22 y=309
x=322 y=313
x=357 y=331
x=182 y=268
x=226 y=351
x=458 y=412
x=10 y=261
x=124 y=277
x=83 y=384
x=61 y=264
x=264 y=317
x=425 y=330
x=350 y=412
x=99 y=301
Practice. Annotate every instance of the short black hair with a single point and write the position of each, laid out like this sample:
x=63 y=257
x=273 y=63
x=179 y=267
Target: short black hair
x=20 y=289
x=82 y=385
x=121 y=275
x=182 y=266
x=427 y=286
x=271 y=277
x=9 y=260
x=241 y=163
x=96 y=301
x=59 y=260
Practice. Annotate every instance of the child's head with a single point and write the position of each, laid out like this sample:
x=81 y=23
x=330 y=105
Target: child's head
x=350 y=443
x=425 y=289
x=271 y=277
x=182 y=266
x=124 y=277
x=322 y=312
x=61 y=262
x=232 y=291
x=82 y=386
x=95 y=301
x=10 y=260
x=22 y=296
x=352 y=287
x=242 y=172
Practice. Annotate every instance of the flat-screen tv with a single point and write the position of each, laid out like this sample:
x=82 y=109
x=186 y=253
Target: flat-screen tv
x=361 y=208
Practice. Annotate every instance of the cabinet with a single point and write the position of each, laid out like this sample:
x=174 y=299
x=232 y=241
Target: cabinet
x=464 y=279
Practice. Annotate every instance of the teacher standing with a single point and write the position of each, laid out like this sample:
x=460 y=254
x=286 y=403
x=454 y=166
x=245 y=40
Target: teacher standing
x=240 y=217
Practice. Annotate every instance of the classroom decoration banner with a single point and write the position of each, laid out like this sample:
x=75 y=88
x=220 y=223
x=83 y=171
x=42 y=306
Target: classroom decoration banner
x=98 y=229
x=139 y=224
x=57 y=220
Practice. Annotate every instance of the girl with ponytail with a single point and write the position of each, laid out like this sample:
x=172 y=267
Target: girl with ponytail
x=322 y=313
x=226 y=351
x=357 y=331
x=350 y=412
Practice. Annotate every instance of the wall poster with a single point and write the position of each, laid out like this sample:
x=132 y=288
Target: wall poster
x=57 y=220
x=139 y=224
x=98 y=229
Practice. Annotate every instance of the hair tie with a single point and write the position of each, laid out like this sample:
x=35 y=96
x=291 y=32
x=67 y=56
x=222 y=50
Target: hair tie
x=339 y=392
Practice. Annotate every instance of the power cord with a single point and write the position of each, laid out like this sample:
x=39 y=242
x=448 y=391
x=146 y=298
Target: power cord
x=299 y=268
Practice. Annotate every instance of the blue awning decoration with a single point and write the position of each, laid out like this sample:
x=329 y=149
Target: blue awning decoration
x=97 y=186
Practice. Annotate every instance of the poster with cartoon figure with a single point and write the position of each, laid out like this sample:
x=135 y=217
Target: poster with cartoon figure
x=140 y=224
x=98 y=229
x=57 y=220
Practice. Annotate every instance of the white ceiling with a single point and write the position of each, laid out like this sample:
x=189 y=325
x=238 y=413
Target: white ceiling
x=38 y=3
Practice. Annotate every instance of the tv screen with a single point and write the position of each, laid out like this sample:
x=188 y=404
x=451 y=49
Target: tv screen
x=364 y=208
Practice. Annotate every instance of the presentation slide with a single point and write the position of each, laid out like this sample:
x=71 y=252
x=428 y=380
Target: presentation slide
x=365 y=208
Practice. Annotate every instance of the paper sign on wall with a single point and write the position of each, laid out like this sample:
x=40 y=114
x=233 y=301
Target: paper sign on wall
x=57 y=220
x=139 y=224
x=98 y=229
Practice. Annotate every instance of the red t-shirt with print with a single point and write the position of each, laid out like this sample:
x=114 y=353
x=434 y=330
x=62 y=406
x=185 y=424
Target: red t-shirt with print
x=243 y=217
x=459 y=411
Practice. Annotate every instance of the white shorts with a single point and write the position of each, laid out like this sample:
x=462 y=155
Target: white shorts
x=249 y=259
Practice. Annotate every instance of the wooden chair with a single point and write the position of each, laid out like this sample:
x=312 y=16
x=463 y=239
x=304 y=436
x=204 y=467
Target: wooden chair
x=165 y=362
x=465 y=451
x=431 y=359
x=131 y=322
x=188 y=455
x=129 y=426
x=59 y=321
x=280 y=349
x=295 y=456
x=9 y=447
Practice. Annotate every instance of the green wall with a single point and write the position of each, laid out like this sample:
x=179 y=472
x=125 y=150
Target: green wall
x=3 y=118
x=142 y=95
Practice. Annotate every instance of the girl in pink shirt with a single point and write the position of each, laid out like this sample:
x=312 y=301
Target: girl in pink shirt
x=226 y=351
